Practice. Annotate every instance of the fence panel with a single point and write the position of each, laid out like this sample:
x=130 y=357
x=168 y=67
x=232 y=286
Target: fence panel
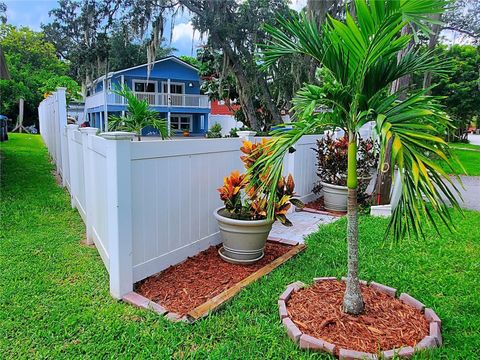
x=97 y=206
x=305 y=167
x=78 y=187
x=52 y=114
x=66 y=160
x=174 y=195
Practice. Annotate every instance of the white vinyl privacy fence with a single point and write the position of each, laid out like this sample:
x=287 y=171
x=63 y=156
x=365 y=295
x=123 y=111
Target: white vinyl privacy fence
x=149 y=204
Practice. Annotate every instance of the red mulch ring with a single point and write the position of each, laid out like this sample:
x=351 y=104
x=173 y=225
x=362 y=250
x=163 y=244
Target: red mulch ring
x=183 y=287
x=319 y=206
x=386 y=324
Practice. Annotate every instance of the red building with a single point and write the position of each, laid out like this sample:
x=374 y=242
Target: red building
x=223 y=107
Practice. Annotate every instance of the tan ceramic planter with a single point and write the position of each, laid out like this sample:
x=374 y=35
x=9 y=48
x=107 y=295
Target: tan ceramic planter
x=243 y=240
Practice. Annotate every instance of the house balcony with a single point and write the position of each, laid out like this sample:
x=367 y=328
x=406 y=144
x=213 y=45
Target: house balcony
x=154 y=99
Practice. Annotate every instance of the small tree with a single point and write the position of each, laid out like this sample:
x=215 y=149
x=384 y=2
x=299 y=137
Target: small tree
x=359 y=55
x=73 y=89
x=139 y=115
x=460 y=89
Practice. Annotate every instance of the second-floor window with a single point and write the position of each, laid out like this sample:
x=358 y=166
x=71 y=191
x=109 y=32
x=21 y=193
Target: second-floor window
x=144 y=86
x=175 y=88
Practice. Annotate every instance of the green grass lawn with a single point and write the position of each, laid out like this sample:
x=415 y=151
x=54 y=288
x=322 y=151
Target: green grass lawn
x=465 y=146
x=54 y=300
x=470 y=160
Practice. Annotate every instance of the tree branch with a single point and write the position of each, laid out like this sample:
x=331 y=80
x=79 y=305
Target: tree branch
x=463 y=31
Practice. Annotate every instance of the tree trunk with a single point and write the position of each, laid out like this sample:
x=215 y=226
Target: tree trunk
x=432 y=42
x=384 y=178
x=383 y=185
x=404 y=81
x=243 y=89
x=267 y=96
x=352 y=301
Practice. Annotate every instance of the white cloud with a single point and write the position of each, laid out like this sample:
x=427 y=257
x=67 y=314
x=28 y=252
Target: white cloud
x=297 y=4
x=182 y=36
x=184 y=30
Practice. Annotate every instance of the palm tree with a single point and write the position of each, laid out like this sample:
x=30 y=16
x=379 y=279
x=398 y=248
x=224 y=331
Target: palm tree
x=358 y=63
x=139 y=115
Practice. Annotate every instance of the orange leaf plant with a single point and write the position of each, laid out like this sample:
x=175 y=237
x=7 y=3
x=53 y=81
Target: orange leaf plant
x=241 y=198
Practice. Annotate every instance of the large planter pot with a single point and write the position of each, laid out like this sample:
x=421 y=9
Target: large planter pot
x=243 y=240
x=246 y=134
x=334 y=197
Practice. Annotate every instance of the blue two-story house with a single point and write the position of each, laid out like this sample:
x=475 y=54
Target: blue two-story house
x=172 y=88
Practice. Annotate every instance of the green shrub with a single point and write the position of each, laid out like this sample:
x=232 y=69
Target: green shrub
x=215 y=131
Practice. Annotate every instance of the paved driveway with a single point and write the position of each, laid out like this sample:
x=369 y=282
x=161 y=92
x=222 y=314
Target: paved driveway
x=470 y=193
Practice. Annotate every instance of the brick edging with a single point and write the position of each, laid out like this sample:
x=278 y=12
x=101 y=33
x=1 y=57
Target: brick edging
x=141 y=301
x=304 y=341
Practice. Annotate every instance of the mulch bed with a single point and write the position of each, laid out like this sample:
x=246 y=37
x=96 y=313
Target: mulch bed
x=183 y=287
x=319 y=206
x=386 y=324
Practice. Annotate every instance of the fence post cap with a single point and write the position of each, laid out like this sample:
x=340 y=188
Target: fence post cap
x=72 y=126
x=61 y=88
x=88 y=130
x=118 y=135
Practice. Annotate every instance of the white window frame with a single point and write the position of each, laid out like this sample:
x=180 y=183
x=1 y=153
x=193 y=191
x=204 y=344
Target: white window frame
x=174 y=83
x=190 y=116
x=135 y=81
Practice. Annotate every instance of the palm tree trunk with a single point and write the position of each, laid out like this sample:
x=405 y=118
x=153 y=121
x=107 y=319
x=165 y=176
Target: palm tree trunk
x=352 y=301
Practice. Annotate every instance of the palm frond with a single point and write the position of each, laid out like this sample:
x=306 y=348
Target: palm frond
x=291 y=35
x=360 y=55
x=413 y=125
x=139 y=115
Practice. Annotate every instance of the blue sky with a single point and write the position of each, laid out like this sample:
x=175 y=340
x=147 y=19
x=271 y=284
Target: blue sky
x=32 y=13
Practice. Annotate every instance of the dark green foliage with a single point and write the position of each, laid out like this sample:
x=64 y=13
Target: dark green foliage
x=90 y=35
x=126 y=51
x=3 y=13
x=73 y=89
x=33 y=68
x=461 y=88
x=54 y=300
x=215 y=131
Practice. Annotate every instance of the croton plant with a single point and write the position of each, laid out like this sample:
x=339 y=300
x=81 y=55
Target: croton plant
x=332 y=162
x=240 y=197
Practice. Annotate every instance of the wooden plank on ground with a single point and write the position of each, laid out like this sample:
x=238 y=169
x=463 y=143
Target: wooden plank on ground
x=215 y=302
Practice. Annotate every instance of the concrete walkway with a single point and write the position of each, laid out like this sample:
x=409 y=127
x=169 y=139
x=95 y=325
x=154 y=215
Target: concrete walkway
x=304 y=223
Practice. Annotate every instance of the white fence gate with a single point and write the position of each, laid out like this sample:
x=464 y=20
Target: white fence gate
x=148 y=205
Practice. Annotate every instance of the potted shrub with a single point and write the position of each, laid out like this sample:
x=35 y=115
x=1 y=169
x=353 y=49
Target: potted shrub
x=332 y=161
x=243 y=222
x=215 y=131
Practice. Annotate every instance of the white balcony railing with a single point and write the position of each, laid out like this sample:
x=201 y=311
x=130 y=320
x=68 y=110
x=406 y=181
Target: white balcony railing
x=154 y=99
x=179 y=100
